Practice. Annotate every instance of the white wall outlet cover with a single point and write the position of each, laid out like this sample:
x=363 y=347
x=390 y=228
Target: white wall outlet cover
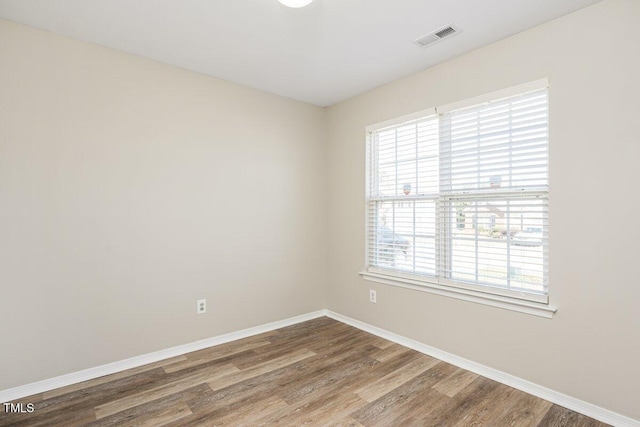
x=201 y=306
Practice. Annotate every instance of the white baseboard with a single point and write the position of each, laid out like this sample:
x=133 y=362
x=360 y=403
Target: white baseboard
x=16 y=393
x=558 y=398
x=563 y=400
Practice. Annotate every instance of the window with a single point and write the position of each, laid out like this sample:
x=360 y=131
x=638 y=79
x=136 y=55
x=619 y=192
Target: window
x=458 y=196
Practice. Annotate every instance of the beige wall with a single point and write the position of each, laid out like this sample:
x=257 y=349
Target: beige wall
x=129 y=189
x=590 y=349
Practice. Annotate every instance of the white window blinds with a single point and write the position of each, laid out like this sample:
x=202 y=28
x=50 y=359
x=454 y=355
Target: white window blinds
x=461 y=198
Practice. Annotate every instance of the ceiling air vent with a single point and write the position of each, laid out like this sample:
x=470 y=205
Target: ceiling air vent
x=437 y=35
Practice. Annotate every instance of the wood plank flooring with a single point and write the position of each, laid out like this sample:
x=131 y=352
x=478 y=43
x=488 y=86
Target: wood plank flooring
x=318 y=373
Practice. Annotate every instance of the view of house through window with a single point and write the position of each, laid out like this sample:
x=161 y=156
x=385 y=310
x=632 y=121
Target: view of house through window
x=460 y=197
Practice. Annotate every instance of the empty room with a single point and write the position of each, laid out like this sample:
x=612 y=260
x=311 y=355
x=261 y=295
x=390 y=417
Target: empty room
x=319 y=212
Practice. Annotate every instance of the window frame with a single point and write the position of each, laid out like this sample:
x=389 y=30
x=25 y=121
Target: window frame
x=525 y=302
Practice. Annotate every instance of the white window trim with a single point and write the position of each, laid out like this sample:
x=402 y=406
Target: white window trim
x=528 y=304
x=494 y=96
x=399 y=120
x=508 y=303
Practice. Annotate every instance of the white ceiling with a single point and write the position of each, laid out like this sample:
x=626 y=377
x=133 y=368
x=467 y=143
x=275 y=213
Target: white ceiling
x=322 y=54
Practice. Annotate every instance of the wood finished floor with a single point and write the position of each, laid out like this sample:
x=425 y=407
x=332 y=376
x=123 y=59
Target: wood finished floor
x=320 y=372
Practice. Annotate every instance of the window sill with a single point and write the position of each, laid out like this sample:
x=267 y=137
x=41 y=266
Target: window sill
x=513 y=304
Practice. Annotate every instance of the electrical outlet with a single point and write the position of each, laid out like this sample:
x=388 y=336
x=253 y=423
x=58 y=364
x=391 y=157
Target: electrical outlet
x=372 y=296
x=201 y=306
